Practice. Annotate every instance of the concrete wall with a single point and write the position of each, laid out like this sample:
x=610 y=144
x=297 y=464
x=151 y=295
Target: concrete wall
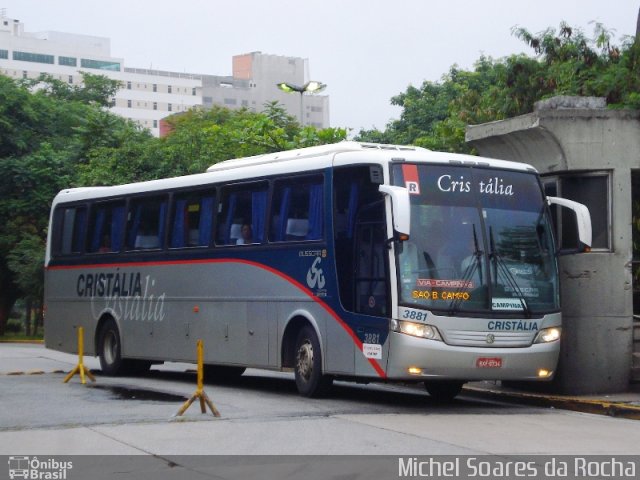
x=565 y=135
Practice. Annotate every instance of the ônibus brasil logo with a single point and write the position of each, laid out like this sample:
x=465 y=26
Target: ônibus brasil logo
x=36 y=469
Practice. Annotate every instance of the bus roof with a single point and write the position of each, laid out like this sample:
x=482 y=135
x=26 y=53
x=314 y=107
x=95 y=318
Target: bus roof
x=309 y=152
x=291 y=161
x=374 y=152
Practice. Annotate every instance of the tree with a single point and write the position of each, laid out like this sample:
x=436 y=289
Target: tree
x=94 y=89
x=198 y=139
x=19 y=119
x=566 y=62
x=42 y=144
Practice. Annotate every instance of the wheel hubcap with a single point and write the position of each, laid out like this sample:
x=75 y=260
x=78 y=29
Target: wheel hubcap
x=305 y=360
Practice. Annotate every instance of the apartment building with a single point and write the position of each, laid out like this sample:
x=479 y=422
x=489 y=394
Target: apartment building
x=147 y=96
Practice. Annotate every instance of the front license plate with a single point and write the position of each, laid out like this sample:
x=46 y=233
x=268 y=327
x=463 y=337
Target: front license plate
x=489 y=362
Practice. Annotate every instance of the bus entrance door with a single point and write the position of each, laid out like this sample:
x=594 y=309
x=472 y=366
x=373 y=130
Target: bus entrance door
x=371 y=272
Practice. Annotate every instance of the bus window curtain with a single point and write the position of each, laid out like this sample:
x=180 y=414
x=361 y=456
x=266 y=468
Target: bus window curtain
x=135 y=226
x=229 y=220
x=162 y=224
x=80 y=225
x=178 y=231
x=353 y=209
x=284 y=214
x=117 y=224
x=315 y=212
x=258 y=214
x=98 y=227
x=206 y=221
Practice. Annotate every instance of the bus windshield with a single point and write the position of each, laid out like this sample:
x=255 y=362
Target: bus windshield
x=480 y=242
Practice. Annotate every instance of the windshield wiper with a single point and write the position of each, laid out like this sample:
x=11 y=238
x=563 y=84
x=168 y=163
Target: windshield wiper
x=468 y=273
x=511 y=281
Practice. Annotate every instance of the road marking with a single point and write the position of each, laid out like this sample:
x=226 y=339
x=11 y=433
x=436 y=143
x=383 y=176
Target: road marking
x=30 y=372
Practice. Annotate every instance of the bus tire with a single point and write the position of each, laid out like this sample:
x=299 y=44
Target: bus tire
x=308 y=365
x=443 y=390
x=110 y=349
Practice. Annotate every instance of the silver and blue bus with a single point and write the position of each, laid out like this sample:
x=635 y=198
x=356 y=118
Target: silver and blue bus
x=350 y=261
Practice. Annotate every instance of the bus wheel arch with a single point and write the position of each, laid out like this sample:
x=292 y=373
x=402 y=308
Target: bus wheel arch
x=109 y=350
x=302 y=350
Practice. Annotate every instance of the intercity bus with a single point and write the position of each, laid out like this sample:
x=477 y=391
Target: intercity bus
x=350 y=261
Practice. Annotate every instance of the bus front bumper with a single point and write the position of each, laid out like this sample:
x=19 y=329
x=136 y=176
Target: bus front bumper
x=413 y=358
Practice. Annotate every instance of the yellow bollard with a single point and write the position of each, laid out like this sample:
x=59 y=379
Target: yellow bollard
x=199 y=393
x=80 y=368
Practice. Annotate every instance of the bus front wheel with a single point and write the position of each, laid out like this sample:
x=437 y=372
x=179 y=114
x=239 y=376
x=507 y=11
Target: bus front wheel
x=443 y=391
x=308 y=365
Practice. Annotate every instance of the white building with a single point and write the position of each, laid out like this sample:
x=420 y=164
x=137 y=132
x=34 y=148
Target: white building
x=147 y=96
x=144 y=98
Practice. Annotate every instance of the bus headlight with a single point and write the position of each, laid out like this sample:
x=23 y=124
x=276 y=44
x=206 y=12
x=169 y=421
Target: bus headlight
x=547 y=335
x=417 y=330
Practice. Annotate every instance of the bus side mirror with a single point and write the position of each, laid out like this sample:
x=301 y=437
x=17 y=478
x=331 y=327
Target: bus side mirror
x=401 y=206
x=583 y=220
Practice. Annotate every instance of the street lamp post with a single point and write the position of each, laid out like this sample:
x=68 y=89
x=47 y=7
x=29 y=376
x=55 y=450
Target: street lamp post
x=311 y=87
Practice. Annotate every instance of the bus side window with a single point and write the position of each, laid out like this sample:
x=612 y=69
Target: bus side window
x=69 y=228
x=242 y=208
x=297 y=210
x=192 y=219
x=146 y=223
x=105 y=227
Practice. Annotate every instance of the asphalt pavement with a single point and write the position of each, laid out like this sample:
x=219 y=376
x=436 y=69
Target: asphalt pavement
x=31 y=358
x=40 y=415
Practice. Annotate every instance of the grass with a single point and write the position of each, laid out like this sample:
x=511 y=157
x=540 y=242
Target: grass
x=21 y=337
x=14 y=331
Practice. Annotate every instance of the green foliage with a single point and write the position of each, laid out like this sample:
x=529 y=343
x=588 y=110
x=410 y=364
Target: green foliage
x=566 y=62
x=27 y=258
x=94 y=89
x=48 y=129
x=19 y=112
x=198 y=139
x=14 y=326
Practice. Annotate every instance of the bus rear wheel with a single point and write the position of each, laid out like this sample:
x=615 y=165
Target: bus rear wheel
x=443 y=390
x=308 y=365
x=110 y=349
x=110 y=353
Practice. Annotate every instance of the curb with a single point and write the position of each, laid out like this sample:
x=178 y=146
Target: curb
x=576 y=404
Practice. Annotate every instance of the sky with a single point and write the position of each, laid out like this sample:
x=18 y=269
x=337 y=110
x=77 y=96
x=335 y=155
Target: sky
x=366 y=51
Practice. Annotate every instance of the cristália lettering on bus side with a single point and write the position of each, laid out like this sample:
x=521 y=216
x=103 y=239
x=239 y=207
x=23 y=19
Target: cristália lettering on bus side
x=123 y=295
